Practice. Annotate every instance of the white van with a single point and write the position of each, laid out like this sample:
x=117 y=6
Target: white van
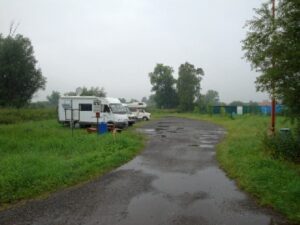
x=81 y=110
x=114 y=112
x=131 y=117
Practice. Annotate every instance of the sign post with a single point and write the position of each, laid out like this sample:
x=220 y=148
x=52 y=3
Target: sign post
x=97 y=116
x=97 y=109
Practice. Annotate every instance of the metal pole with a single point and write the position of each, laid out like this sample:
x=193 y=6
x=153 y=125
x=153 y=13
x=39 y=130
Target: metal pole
x=72 y=125
x=273 y=91
x=97 y=129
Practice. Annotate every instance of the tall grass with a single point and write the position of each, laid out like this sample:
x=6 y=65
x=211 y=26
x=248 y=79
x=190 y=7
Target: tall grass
x=39 y=157
x=13 y=115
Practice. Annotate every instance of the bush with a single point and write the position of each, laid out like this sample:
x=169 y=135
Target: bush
x=283 y=146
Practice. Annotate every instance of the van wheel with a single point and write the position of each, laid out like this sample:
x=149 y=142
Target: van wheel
x=145 y=118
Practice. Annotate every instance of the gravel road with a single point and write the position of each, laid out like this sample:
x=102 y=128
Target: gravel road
x=175 y=180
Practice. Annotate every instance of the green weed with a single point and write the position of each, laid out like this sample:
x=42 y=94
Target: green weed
x=40 y=157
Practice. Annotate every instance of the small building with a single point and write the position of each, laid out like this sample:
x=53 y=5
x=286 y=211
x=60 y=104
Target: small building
x=266 y=107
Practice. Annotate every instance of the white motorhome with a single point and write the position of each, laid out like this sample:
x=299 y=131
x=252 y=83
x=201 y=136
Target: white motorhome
x=138 y=109
x=81 y=110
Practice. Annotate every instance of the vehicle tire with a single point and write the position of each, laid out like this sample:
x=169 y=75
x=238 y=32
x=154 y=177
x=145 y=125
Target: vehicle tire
x=145 y=118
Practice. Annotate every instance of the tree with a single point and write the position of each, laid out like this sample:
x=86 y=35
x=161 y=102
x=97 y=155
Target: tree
x=53 y=98
x=273 y=48
x=163 y=84
x=151 y=101
x=205 y=102
x=188 y=85
x=93 y=91
x=236 y=103
x=70 y=93
x=122 y=100
x=212 y=97
x=133 y=100
x=19 y=76
x=144 y=99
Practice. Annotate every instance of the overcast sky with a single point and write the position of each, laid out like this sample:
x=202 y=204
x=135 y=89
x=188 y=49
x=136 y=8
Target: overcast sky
x=115 y=43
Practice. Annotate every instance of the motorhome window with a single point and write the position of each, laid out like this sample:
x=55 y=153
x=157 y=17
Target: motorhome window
x=118 y=108
x=127 y=110
x=85 y=107
x=106 y=108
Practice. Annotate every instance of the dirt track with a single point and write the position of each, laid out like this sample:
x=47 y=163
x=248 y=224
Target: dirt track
x=176 y=180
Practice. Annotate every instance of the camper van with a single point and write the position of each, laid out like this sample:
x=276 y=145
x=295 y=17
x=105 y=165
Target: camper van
x=131 y=116
x=81 y=110
x=114 y=112
x=138 y=109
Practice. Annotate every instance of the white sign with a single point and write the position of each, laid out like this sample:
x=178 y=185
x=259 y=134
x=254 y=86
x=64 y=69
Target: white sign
x=239 y=110
x=97 y=105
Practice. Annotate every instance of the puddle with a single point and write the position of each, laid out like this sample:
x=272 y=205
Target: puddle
x=150 y=208
x=206 y=146
x=146 y=131
x=193 y=145
x=172 y=131
x=207 y=196
x=188 y=187
x=164 y=126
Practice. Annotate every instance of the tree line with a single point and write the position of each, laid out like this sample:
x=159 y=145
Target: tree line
x=182 y=93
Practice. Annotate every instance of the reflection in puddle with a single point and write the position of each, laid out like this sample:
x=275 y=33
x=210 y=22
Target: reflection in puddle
x=206 y=146
x=194 y=145
x=150 y=208
x=146 y=131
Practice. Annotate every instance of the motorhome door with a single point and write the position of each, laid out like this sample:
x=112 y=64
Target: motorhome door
x=86 y=112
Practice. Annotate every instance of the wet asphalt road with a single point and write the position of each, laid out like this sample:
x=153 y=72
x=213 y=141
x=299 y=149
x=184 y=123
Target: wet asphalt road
x=176 y=180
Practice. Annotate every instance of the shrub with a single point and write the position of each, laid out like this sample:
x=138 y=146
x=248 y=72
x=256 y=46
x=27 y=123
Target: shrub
x=283 y=146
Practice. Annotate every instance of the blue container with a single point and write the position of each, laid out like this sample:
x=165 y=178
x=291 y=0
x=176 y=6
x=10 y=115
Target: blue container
x=102 y=128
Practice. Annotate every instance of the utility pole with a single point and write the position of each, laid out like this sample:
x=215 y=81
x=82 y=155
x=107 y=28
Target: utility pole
x=273 y=88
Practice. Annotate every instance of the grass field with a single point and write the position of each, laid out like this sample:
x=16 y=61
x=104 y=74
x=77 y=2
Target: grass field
x=42 y=156
x=272 y=182
x=13 y=115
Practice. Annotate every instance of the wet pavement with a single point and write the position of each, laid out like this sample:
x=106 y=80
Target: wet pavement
x=175 y=180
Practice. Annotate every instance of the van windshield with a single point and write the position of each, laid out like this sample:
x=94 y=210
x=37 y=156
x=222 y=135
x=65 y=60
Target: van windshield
x=117 y=108
x=127 y=110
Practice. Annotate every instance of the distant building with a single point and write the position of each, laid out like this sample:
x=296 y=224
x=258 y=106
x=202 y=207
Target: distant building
x=266 y=107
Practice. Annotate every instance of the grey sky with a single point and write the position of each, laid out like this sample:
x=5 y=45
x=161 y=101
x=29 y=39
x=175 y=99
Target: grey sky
x=115 y=43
